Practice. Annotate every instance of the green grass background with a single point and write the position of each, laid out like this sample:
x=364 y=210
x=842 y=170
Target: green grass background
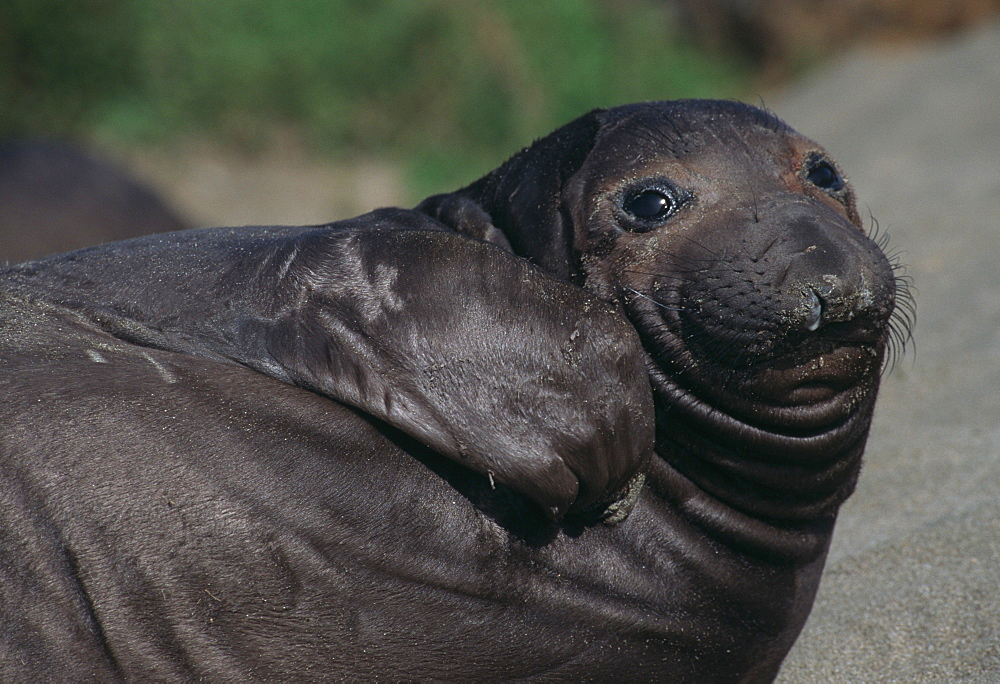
x=443 y=88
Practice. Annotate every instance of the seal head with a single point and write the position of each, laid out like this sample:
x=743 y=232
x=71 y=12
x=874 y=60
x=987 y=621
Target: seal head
x=735 y=247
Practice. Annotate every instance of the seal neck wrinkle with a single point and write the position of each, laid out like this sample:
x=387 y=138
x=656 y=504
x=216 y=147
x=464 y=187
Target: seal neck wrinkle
x=762 y=490
x=781 y=542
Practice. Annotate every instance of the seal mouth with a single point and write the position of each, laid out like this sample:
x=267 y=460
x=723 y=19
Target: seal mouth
x=809 y=383
x=816 y=362
x=825 y=376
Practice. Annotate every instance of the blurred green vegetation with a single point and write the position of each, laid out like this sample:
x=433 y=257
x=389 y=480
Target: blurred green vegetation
x=447 y=88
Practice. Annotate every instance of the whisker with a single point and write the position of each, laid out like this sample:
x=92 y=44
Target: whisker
x=877 y=234
x=695 y=242
x=662 y=306
x=659 y=275
x=904 y=315
x=901 y=324
x=691 y=263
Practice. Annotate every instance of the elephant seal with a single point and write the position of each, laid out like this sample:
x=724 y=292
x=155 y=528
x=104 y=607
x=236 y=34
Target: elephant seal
x=412 y=445
x=57 y=198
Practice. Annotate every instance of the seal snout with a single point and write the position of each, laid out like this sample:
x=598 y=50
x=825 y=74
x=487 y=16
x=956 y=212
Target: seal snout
x=833 y=272
x=804 y=280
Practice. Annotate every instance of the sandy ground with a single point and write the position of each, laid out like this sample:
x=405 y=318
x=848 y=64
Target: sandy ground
x=283 y=185
x=912 y=587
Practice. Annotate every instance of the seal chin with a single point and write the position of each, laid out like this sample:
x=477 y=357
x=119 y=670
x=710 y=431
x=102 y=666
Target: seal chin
x=795 y=462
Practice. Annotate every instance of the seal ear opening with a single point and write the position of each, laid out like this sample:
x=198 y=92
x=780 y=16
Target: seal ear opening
x=522 y=199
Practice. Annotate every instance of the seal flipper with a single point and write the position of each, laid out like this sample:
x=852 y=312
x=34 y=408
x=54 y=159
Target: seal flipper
x=478 y=354
x=472 y=351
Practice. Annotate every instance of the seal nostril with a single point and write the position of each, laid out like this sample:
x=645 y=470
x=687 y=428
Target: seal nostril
x=815 y=316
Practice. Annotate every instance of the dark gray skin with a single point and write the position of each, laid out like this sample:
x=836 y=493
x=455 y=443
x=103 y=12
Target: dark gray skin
x=56 y=198
x=388 y=447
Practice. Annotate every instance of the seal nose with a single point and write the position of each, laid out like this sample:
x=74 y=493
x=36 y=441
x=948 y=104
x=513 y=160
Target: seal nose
x=803 y=271
x=835 y=273
x=814 y=316
x=836 y=300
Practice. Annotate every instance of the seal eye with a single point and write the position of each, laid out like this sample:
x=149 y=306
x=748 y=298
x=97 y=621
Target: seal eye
x=646 y=204
x=822 y=174
x=650 y=205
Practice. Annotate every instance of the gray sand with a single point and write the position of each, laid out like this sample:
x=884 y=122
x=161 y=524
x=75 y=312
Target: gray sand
x=912 y=587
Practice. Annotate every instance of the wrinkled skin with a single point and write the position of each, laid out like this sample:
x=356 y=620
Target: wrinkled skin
x=395 y=447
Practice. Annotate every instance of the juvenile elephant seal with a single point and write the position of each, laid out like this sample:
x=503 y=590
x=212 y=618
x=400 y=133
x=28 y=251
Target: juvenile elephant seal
x=412 y=445
x=57 y=198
